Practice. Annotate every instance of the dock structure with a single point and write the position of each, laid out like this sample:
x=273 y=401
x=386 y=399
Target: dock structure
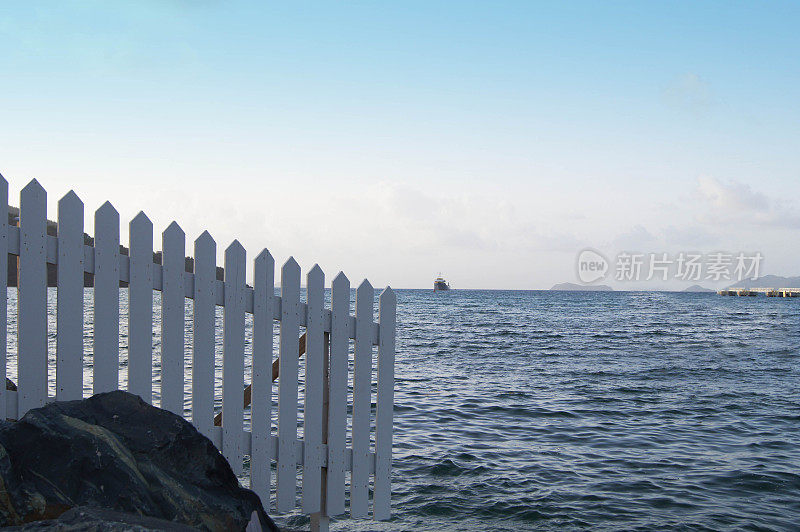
x=769 y=292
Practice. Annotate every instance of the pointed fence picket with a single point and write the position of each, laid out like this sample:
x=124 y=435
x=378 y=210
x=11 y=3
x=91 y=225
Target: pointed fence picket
x=387 y=320
x=312 y=409
x=106 y=299
x=287 y=386
x=4 y=289
x=69 y=310
x=362 y=402
x=320 y=458
x=32 y=298
x=261 y=452
x=205 y=278
x=233 y=356
x=337 y=411
x=172 y=316
x=140 y=308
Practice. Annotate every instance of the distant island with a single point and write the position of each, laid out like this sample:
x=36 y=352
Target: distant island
x=582 y=287
x=697 y=288
x=768 y=281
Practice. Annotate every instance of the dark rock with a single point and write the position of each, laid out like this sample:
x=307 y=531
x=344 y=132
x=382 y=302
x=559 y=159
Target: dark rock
x=87 y=519
x=10 y=385
x=115 y=451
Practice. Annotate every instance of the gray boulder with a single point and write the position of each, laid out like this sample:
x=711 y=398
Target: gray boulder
x=115 y=451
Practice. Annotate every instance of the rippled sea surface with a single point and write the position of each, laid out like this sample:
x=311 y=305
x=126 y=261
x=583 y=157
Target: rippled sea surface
x=566 y=410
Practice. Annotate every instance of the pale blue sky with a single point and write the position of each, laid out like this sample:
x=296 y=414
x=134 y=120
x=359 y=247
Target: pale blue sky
x=489 y=140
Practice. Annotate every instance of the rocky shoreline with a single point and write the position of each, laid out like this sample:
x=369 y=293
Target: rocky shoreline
x=113 y=462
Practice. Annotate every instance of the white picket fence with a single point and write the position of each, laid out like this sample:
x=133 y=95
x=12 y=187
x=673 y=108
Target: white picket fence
x=321 y=453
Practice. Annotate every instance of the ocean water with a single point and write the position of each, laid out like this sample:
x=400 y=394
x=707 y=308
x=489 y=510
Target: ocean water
x=614 y=411
x=545 y=410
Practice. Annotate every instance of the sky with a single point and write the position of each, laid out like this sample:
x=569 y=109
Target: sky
x=489 y=141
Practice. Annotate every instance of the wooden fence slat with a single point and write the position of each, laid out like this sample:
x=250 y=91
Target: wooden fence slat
x=362 y=401
x=140 y=308
x=384 y=409
x=69 y=304
x=233 y=356
x=326 y=376
x=32 y=299
x=4 y=293
x=172 y=316
x=105 y=377
x=287 y=386
x=261 y=405
x=205 y=274
x=312 y=410
x=337 y=405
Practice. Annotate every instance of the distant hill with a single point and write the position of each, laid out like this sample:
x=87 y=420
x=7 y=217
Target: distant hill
x=769 y=281
x=582 y=287
x=698 y=288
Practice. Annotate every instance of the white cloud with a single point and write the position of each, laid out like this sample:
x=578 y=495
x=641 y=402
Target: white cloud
x=734 y=202
x=637 y=239
x=731 y=197
x=689 y=237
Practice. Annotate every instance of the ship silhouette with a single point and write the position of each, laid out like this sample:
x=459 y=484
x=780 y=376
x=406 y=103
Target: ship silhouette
x=440 y=284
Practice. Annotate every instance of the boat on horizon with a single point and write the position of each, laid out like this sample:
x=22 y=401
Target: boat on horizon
x=440 y=284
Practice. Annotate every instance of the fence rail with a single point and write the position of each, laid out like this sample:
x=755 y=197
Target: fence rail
x=321 y=454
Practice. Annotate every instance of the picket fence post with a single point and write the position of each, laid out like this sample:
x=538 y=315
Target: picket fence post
x=387 y=320
x=32 y=299
x=261 y=454
x=320 y=452
x=233 y=356
x=287 y=386
x=205 y=278
x=106 y=299
x=172 y=315
x=69 y=304
x=312 y=410
x=140 y=308
x=4 y=290
x=362 y=401
x=337 y=384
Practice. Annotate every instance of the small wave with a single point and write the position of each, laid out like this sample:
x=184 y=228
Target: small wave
x=451 y=468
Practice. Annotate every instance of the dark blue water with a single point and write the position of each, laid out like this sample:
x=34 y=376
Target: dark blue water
x=552 y=410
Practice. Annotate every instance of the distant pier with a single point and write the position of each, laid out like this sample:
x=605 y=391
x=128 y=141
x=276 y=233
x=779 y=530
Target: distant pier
x=769 y=292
